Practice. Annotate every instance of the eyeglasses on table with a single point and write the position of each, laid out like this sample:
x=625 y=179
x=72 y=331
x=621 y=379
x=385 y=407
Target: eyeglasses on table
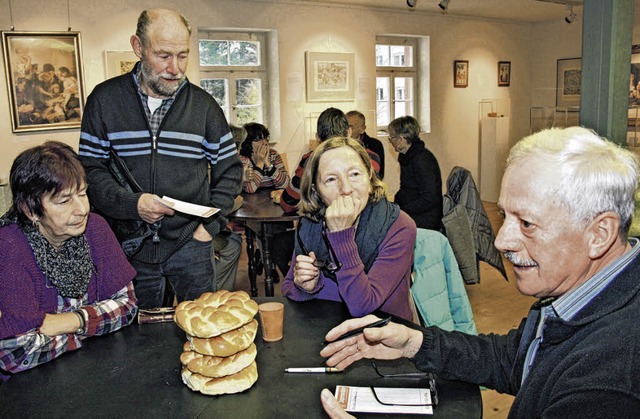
x=420 y=375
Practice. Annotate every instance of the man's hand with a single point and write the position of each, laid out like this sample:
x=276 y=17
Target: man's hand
x=305 y=273
x=201 y=234
x=389 y=342
x=332 y=407
x=151 y=210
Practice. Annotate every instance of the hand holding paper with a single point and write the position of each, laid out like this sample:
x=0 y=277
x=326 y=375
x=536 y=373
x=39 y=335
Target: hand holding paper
x=188 y=208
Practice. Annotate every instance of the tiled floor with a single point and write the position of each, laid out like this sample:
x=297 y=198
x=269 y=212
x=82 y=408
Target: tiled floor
x=497 y=307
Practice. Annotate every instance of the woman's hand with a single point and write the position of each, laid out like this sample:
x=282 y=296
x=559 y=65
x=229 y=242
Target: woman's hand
x=59 y=324
x=389 y=342
x=260 y=155
x=343 y=212
x=305 y=273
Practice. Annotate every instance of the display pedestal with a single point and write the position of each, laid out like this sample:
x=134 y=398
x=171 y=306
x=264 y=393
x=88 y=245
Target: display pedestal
x=494 y=146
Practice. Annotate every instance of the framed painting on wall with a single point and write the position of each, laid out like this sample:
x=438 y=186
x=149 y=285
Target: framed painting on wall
x=504 y=73
x=568 y=79
x=330 y=76
x=44 y=79
x=117 y=63
x=460 y=73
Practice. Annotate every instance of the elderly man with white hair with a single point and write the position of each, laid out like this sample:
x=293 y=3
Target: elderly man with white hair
x=567 y=198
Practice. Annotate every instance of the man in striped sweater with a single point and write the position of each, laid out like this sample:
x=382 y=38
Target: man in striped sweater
x=175 y=140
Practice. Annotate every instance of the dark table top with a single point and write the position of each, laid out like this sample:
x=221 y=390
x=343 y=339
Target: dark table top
x=135 y=372
x=259 y=207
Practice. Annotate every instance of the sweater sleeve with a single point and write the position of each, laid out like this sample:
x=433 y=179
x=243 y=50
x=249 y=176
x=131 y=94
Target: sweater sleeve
x=486 y=360
x=104 y=192
x=291 y=194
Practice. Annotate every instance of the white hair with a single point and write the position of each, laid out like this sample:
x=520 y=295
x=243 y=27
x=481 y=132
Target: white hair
x=595 y=175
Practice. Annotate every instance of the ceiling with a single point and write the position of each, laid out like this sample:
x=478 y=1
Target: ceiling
x=510 y=10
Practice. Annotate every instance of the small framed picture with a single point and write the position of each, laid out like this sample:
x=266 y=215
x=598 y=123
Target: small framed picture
x=568 y=81
x=504 y=73
x=460 y=73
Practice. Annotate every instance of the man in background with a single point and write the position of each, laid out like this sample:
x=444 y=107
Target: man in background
x=567 y=197
x=332 y=122
x=171 y=134
x=358 y=126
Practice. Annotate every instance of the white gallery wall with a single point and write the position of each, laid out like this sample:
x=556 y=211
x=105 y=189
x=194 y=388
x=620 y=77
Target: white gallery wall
x=454 y=138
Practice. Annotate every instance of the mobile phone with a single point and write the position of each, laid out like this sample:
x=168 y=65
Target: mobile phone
x=359 y=330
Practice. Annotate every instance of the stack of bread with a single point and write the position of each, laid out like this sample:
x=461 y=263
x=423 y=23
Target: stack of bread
x=219 y=355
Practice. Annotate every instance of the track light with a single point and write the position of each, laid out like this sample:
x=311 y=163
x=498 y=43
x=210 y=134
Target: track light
x=443 y=4
x=412 y=3
x=571 y=17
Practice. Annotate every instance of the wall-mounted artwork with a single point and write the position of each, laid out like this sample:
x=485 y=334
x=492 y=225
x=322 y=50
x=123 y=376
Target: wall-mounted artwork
x=568 y=79
x=504 y=73
x=330 y=76
x=44 y=77
x=460 y=73
x=119 y=62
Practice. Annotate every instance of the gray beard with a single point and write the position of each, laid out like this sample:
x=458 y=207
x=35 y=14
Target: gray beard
x=156 y=84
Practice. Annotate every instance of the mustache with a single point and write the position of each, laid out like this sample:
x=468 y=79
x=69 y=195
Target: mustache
x=514 y=259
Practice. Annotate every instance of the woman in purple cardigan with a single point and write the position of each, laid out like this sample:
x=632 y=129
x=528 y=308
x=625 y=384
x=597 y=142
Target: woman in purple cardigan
x=63 y=275
x=353 y=244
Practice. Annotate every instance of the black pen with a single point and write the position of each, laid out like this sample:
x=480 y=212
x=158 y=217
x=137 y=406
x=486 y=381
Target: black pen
x=359 y=330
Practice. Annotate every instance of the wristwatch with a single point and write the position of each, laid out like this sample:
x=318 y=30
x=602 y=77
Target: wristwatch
x=83 y=325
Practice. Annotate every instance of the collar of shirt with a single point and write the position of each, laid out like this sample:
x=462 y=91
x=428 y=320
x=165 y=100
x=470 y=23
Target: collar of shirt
x=568 y=305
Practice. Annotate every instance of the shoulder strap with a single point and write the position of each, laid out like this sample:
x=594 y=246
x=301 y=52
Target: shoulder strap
x=120 y=171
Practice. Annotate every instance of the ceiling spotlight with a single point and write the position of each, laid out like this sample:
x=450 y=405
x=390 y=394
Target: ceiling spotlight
x=443 y=4
x=412 y=3
x=571 y=17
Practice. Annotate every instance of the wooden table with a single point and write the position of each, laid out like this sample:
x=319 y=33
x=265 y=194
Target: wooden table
x=258 y=207
x=135 y=372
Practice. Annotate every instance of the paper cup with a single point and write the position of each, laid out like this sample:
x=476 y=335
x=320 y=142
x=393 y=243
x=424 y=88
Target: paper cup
x=271 y=319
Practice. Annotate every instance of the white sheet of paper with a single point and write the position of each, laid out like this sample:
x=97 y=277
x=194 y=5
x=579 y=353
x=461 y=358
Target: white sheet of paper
x=188 y=208
x=361 y=399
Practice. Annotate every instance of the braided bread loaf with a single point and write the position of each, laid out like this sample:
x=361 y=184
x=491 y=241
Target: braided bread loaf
x=227 y=344
x=215 y=313
x=215 y=366
x=234 y=383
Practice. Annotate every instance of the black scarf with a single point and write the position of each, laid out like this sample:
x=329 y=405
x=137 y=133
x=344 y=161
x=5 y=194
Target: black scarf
x=68 y=269
x=373 y=225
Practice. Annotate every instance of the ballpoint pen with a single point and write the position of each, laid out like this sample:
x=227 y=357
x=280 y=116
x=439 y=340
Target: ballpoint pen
x=359 y=330
x=313 y=370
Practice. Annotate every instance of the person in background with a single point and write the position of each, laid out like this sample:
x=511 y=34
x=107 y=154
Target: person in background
x=227 y=244
x=567 y=198
x=420 y=193
x=63 y=275
x=352 y=245
x=332 y=122
x=263 y=166
x=175 y=140
x=358 y=125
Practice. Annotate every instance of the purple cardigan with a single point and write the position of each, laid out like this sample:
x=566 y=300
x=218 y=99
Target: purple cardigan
x=24 y=296
x=385 y=287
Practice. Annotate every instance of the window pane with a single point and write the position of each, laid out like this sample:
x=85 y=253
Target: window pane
x=403 y=96
x=213 y=52
x=401 y=56
x=248 y=92
x=245 y=115
x=218 y=88
x=382 y=55
x=382 y=101
x=244 y=53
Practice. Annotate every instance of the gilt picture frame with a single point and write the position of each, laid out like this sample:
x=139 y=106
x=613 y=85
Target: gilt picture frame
x=44 y=79
x=117 y=63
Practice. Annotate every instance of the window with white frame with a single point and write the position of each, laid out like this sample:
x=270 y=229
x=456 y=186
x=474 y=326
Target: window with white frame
x=233 y=69
x=402 y=79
